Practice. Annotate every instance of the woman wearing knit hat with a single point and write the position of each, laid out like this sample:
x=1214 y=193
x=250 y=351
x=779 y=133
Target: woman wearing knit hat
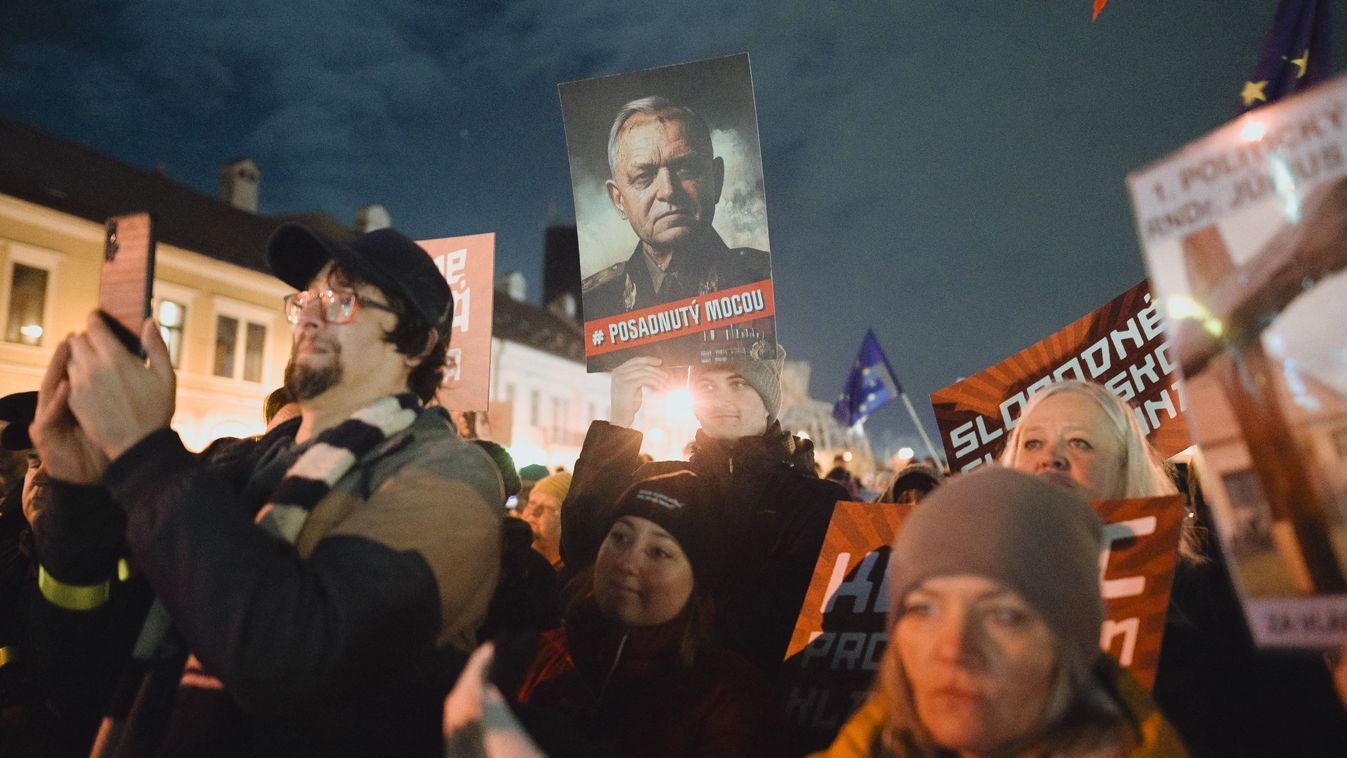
x=1225 y=697
x=994 y=634
x=760 y=478
x=634 y=667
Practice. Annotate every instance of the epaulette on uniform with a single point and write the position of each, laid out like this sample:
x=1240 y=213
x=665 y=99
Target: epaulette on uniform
x=754 y=259
x=601 y=277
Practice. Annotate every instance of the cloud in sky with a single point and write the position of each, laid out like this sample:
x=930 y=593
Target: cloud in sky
x=948 y=173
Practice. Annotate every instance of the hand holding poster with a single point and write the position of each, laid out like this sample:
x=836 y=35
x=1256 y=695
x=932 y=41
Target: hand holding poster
x=671 y=215
x=1245 y=235
x=841 y=634
x=467 y=263
x=1120 y=345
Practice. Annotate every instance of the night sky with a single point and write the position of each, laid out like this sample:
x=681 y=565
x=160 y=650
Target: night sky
x=947 y=173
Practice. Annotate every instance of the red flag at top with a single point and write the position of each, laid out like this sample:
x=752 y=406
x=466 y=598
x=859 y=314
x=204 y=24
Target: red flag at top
x=1098 y=6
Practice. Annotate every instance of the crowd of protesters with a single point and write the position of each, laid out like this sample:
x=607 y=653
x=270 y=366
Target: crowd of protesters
x=321 y=589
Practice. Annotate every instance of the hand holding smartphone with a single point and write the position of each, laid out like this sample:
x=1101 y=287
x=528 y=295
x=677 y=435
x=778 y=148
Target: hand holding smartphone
x=127 y=283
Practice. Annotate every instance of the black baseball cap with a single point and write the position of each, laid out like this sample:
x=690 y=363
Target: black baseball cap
x=384 y=257
x=18 y=409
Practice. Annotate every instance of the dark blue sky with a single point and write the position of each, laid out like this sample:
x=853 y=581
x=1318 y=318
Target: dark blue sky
x=948 y=173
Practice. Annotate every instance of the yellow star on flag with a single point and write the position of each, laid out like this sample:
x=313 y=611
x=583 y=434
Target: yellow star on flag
x=1253 y=92
x=1302 y=63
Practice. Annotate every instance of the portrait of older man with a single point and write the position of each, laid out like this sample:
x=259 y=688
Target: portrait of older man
x=665 y=182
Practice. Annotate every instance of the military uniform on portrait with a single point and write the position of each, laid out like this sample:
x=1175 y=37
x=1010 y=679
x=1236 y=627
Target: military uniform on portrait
x=628 y=286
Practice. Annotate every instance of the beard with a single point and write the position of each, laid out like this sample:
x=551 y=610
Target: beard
x=307 y=382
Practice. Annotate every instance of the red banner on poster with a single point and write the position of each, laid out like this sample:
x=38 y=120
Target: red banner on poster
x=715 y=310
x=1120 y=345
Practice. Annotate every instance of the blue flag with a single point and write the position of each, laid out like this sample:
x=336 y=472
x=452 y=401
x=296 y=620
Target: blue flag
x=871 y=384
x=1295 y=53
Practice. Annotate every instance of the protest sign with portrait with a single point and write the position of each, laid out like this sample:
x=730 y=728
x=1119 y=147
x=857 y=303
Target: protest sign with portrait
x=1245 y=235
x=671 y=215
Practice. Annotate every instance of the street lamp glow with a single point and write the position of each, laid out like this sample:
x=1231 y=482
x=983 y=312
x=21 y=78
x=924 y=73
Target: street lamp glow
x=678 y=404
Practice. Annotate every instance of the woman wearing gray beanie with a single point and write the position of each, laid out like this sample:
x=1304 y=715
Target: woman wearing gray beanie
x=994 y=634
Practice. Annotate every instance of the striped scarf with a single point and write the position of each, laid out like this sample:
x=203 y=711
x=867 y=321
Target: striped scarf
x=333 y=453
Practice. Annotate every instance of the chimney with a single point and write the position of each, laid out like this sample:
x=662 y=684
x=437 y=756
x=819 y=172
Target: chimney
x=561 y=264
x=372 y=217
x=238 y=184
x=512 y=284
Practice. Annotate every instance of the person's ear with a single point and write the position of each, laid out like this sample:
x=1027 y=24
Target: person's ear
x=615 y=197
x=432 y=339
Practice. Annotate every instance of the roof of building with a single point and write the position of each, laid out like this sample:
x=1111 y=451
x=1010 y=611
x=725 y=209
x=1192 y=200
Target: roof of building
x=64 y=176
x=59 y=174
x=540 y=328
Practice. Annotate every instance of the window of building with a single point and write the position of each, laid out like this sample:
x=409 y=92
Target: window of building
x=172 y=317
x=534 y=402
x=240 y=348
x=226 y=339
x=26 y=324
x=561 y=408
x=254 y=346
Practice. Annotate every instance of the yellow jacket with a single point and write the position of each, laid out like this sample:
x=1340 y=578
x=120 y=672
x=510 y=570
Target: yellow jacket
x=860 y=735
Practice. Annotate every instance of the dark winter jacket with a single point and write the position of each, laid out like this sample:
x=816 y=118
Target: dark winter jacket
x=339 y=644
x=629 y=692
x=776 y=508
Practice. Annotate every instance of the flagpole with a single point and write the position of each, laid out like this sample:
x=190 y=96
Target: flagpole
x=920 y=427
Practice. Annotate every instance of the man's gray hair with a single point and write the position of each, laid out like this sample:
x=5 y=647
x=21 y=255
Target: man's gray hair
x=654 y=105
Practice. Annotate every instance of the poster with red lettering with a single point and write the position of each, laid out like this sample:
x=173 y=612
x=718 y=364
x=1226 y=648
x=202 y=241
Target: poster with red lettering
x=468 y=264
x=671 y=214
x=1245 y=236
x=840 y=635
x=1120 y=345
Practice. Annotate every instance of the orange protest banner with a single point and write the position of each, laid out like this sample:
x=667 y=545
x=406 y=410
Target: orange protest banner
x=1120 y=345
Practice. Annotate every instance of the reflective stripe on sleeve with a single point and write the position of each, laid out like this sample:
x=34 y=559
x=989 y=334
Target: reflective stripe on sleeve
x=71 y=597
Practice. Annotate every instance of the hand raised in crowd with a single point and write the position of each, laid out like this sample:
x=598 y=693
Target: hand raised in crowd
x=628 y=381
x=66 y=452
x=477 y=720
x=118 y=398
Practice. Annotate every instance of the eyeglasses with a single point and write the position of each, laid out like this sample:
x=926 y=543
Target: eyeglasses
x=338 y=305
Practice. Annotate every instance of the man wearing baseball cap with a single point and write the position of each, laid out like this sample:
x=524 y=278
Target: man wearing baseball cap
x=322 y=585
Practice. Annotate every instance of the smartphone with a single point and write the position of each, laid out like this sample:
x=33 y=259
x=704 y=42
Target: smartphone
x=127 y=285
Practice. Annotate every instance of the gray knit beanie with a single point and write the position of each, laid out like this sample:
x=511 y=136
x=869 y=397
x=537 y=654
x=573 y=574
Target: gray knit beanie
x=1035 y=537
x=764 y=376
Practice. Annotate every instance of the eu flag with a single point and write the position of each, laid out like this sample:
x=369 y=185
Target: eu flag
x=1295 y=53
x=870 y=385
